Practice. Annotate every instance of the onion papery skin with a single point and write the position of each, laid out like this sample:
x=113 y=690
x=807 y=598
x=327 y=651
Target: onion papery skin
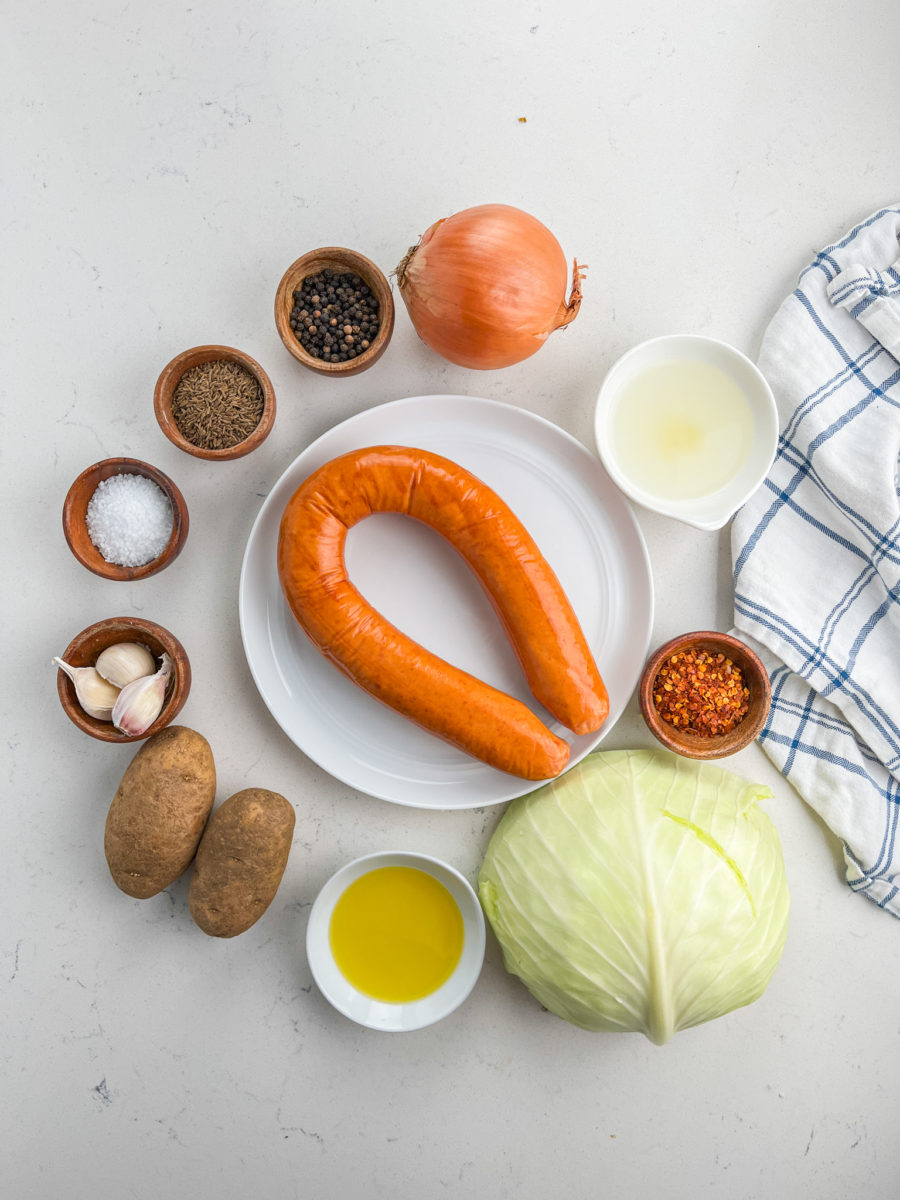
x=486 y=287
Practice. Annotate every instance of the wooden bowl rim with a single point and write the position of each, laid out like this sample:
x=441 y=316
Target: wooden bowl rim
x=169 y=379
x=343 y=259
x=74 y=514
x=123 y=629
x=692 y=745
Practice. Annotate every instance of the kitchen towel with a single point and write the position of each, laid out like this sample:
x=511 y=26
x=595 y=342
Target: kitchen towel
x=816 y=550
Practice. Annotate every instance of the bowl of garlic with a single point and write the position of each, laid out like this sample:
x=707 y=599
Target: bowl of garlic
x=123 y=679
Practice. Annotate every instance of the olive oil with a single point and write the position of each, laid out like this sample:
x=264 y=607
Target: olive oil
x=396 y=934
x=681 y=429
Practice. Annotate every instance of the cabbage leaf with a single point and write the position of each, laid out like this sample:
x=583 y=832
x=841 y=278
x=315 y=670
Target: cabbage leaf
x=640 y=891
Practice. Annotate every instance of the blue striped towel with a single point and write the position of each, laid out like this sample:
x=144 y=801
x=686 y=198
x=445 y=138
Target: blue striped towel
x=817 y=549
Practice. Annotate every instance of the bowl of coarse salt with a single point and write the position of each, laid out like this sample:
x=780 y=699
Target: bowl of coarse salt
x=124 y=519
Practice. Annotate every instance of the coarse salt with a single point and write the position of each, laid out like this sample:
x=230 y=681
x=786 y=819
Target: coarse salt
x=129 y=520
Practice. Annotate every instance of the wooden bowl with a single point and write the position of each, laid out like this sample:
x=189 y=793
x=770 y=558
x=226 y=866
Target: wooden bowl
x=756 y=680
x=84 y=650
x=171 y=377
x=74 y=518
x=334 y=258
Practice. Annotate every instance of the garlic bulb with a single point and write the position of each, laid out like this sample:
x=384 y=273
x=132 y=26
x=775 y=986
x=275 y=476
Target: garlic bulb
x=95 y=695
x=140 y=702
x=124 y=662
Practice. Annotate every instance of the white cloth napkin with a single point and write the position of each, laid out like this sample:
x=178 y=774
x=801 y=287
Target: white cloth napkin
x=816 y=550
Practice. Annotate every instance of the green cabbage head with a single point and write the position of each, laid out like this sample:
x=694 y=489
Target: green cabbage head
x=639 y=891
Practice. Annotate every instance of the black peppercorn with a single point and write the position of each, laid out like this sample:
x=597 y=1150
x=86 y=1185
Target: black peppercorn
x=335 y=316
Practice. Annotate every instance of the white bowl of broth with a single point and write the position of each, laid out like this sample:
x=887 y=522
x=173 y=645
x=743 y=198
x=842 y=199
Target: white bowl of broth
x=395 y=940
x=687 y=426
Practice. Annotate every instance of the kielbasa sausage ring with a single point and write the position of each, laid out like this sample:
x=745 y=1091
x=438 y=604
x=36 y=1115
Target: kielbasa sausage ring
x=526 y=595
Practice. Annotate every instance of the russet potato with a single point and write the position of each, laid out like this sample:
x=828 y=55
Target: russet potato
x=240 y=861
x=159 y=812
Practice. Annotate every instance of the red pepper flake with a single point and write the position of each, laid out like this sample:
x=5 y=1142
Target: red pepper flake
x=701 y=692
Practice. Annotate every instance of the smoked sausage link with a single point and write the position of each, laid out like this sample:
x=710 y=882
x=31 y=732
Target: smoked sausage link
x=526 y=595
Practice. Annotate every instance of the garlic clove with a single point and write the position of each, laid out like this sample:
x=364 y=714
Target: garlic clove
x=95 y=695
x=140 y=702
x=124 y=662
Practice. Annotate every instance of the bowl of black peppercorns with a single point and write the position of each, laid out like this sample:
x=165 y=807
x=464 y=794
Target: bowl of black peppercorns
x=334 y=311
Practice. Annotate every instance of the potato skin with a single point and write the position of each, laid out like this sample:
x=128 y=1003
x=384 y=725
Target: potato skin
x=159 y=812
x=240 y=861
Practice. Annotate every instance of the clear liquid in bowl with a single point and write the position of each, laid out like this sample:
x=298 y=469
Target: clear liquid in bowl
x=681 y=430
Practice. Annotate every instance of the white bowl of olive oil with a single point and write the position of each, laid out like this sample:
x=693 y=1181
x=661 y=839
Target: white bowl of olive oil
x=395 y=940
x=687 y=426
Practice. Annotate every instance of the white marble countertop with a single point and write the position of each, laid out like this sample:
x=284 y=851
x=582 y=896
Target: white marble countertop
x=162 y=165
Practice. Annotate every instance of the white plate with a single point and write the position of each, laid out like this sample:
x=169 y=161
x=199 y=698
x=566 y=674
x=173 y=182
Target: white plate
x=577 y=516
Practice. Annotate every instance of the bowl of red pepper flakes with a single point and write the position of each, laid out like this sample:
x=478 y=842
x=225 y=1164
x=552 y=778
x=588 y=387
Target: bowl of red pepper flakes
x=705 y=695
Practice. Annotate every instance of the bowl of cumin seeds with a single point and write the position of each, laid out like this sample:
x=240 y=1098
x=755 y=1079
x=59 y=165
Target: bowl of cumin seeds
x=215 y=402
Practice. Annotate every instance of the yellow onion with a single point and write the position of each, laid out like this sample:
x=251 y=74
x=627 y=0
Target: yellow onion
x=486 y=287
